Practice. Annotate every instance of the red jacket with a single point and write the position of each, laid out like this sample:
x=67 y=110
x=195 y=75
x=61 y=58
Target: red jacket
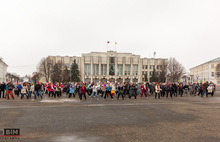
x=143 y=88
x=83 y=90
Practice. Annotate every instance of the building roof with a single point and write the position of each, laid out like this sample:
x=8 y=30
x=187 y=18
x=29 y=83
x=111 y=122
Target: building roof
x=211 y=61
x=1 y=60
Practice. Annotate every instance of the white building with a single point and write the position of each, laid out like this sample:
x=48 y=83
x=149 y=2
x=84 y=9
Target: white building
x=208 y=71
x=3 y=70
x=112 y=66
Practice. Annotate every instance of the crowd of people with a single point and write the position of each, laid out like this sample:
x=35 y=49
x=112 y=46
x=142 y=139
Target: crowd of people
x=106 y=89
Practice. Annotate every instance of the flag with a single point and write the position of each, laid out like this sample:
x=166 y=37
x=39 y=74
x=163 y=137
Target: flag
x=116 y=43
x=108 y=42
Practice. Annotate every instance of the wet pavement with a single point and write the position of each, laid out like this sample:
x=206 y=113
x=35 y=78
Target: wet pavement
x=71 y=120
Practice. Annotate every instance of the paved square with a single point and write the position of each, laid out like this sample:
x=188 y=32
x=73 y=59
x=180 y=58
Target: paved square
x=70 y=120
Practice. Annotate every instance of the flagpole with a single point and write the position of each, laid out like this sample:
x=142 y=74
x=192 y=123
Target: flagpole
x=115 y=46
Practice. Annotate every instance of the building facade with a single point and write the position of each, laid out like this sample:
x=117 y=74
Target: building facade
x=209 y=71
x=112 y=66
x=3 y=70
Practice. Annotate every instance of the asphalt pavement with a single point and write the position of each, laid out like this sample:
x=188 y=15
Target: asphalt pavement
x=178 y=119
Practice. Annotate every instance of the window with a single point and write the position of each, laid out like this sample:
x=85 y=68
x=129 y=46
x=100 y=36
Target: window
x=150 y=72
x=127 y=70
x=146 y=67
x=142 y=72
x=112 y=60
x=143 y=67
x=89 y=69
x=85 y=69
x=145 y=72
x=213 y=74
x=95 y=69
x=119 y=69
x=103 y=69
x=212 y=66
x=157 y=66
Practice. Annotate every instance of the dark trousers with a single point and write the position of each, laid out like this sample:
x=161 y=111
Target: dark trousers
x=70 y=94
x=157 y=94
x=22 y=95
x=133 y=93
x=127 y=93
x=51 y=93
x=121 y=94
x=181 y=92
x=106 y=93
x=19 y=91
x=3 y=95
x=57 y=93
x=170 y=94
x=81 y=94
x=103 y=92
x=162 y=93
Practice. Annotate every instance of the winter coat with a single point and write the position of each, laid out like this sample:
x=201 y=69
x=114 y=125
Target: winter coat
x=3 y=87
x=71 y=90
x=32 y=88
x=83 y=90
x=37 y=87
x=10 y=87
x=157 y=89
x=19 y=87
x=24 y=90
x=52 y=88
x=144 y=88
x=95 y=88
x=210 y=89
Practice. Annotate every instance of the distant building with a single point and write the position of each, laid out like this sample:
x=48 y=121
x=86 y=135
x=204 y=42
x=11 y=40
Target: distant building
x=112 y=66
x=3 y=70
x=208 y=71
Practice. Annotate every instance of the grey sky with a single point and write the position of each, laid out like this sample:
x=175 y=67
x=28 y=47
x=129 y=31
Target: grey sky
x=31 y=29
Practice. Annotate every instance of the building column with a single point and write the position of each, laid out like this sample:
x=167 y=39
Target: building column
x=99 y=67
x=139 y=71
x=123 y=71
x=116 y=63
x=131 y=70
x=91 y=61
x=82 y=67
x=107 y=65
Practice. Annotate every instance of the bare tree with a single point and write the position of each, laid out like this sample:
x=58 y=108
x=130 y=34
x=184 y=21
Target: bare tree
x=35 y=77
x=44 y=68
x=163 y=71
x=174 y=70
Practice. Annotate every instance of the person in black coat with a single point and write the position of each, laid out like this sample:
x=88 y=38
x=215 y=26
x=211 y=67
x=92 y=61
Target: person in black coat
x=162 y=87
x=121 y=89
x=3 y=87
x=133 y=91
x=168 y=90
x=174 y=90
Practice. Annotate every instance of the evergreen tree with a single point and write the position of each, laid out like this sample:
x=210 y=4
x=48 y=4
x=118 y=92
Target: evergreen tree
x=66 y=75
x=56 y=74
x=75 y=76
x=145 y=77
x=154 y=77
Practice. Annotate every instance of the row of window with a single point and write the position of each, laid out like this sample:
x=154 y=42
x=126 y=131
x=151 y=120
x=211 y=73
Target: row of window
x=153 y=66
x=150 y=72
x=119 y=71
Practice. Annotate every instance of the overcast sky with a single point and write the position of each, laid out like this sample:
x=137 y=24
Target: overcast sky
x=31 y=29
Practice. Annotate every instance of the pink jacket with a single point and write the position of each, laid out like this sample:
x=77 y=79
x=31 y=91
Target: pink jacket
x=52 y=88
